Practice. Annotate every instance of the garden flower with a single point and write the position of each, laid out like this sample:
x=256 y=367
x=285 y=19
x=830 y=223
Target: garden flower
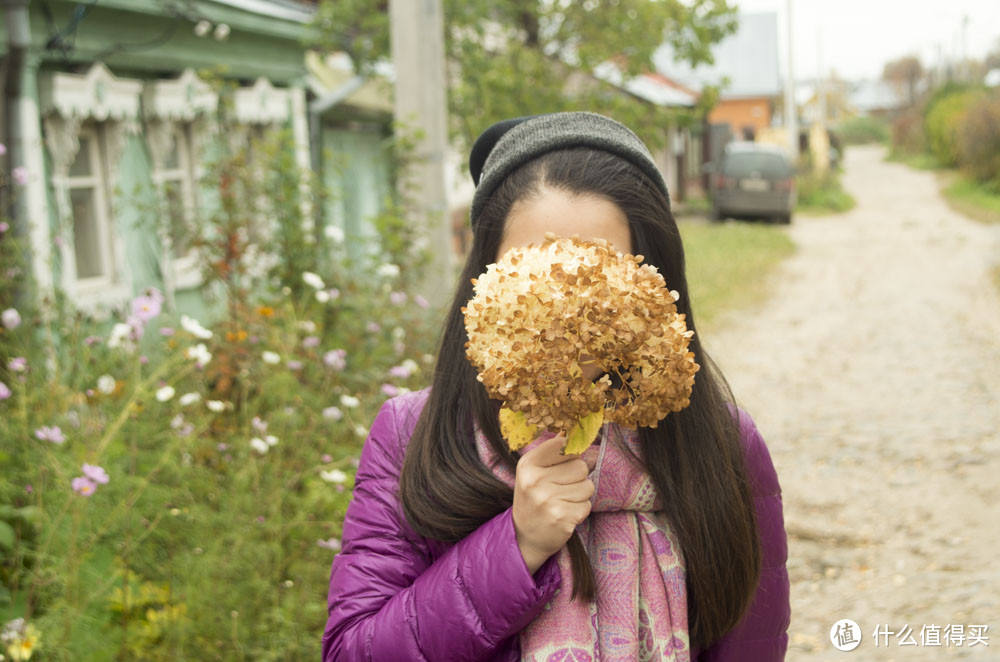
x=4 y=226
x=147 y=306
x=119 y=334
x=83 y=486
x=53 y=434
x=165 y=393
x=333 y=476
x=106 y=384
x=5 y=391
x=334 y=233
x=195 y=328
x=322 y=296
x=326 y=458
x=95 y=473
x=333 y=413
x=330 y=543
x=307 y=326
x=17 y=364
x=360 y=430
x=11 y=318
x=294 y=365
x=166 y=331
x=215 y=405
x=543 y=310
x=336 y=359
x=373 y=327
x=387 y=270
x=19 y=638
x=420 y=301
x=404 y=370
x=20 y=175
x=271 y=357
x=313 y=280
x=189 y=398
x=3 y=149
x=271 y=440
x=334 y=293
x=390 y=389
x=259 y=424
x=349 y=401
x=397 y=298
x=259 y=445
x=310 y=341
x=199 y=353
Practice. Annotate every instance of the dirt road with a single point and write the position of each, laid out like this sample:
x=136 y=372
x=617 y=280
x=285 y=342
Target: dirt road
x=873 y=373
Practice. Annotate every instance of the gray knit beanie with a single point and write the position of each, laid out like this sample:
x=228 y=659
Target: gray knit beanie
x=507 y=145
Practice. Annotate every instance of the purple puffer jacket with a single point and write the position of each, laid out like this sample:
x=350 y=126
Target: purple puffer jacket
x=395 y=595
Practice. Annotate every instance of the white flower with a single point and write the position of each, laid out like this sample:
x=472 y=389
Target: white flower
x=360 y=430
x=334 y=233
x=271 y=357
x=398 y=333
x=192 y=326
x=106 y=384
x=189 y=398
x=387 y=270
x=259 y=445
x=322 y=296
x=11 y=318
x=333 y=413
x=119 y=333
x=333 y=476
x=349 y=401
x=313 y=280
x=199 y=353
x=410 y=365
x=165 y=393
x=308 y=326
x=215 y=405
x=271 y=440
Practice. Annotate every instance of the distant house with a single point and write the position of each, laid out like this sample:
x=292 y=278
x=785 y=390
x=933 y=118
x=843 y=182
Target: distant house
x=876 y=97
x=110 y=101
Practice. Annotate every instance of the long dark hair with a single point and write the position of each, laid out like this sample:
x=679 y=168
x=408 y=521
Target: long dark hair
x=693 y=457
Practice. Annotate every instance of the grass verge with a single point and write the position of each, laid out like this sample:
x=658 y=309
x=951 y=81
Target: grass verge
x=729 y=264
x=976 y=200
x=819 y=194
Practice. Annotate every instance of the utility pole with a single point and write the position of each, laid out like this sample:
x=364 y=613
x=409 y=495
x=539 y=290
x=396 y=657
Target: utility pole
x=791 y=120
x=417 y=42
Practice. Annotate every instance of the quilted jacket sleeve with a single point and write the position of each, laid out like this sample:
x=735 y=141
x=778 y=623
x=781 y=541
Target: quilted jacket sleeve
x=762 y=634
x=389 y=601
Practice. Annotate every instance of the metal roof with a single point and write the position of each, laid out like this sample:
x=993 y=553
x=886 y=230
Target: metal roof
x=290 y=10
x=748 y=58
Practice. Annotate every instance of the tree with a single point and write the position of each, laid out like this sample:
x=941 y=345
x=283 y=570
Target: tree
x=508 y=58
x=904 y=73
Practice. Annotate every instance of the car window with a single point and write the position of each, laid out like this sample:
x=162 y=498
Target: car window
x=740 y=164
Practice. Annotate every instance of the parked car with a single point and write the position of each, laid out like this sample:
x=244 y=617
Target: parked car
x=752 y=180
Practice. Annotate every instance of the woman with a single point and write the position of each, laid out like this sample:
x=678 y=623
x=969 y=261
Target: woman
x=449 y=557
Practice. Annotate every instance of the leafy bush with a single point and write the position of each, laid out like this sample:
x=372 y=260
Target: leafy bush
x=908 y=137
x=863 y=130
x=943 y=122
x=173 y=489
x=979 y=140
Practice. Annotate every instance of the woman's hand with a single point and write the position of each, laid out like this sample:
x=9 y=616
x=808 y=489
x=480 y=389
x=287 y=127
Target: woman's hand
x=551 y=497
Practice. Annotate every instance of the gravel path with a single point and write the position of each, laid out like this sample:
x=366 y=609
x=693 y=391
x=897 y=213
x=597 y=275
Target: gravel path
x=873 y=373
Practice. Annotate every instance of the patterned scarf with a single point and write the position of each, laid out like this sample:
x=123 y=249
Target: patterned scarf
x=640 y=610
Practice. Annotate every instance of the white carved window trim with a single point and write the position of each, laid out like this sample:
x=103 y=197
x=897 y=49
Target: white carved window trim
x=179 y=114
x=68 y=101
x=96 y=181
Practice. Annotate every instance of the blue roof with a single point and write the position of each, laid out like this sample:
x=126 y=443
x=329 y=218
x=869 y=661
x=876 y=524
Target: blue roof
x=748 y=57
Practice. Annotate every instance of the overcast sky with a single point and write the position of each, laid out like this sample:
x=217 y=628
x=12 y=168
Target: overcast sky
x=859 y=36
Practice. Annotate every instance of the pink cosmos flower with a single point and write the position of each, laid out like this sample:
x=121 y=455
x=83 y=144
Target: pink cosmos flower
x=373 y=327
x=399 y=372
x=336 y=359
x=83 y=486
x=167 y=331
x=420 y=301
x=294 y=365
x=95 y=473
x=397 y=298
x=18 y=364
x=326 y=458
x=91 y=340
x=20 y=175
x=259 y=424
x=310 y=342
x=4 y=226
x=330 y=543
x=147 y=306
x=53 y=434
x=390 y=389
x=5 y=391
x=11 y=318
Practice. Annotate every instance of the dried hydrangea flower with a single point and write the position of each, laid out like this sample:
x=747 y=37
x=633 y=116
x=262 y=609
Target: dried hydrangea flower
x=543 y=311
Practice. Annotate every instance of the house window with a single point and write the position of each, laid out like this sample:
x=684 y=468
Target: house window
x=86 y=187
x=176 y=179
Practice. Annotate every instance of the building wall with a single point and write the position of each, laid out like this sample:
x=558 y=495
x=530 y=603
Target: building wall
x=740 y=114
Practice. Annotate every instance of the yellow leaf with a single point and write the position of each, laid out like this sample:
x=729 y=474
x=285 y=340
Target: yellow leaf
x=583 y=433
x=515 y=429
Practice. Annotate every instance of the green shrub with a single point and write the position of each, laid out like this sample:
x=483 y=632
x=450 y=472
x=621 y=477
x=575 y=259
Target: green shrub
x=908 y=135
x=979 y=140
x=822 y=192
x=943 y=123
x=863 y=130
